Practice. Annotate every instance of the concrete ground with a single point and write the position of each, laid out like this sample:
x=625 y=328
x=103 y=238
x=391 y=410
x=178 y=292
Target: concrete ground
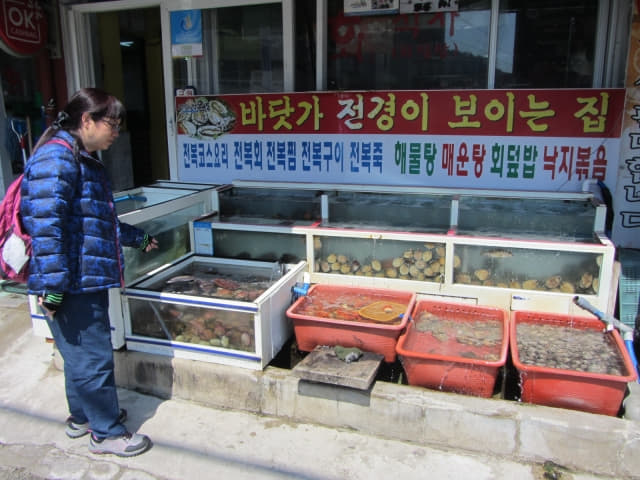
x=194 y=440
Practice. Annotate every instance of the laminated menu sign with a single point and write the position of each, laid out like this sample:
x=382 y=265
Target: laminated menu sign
x=186 y=33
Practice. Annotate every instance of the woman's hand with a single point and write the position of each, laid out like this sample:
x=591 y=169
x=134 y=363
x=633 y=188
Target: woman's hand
x=152 y=245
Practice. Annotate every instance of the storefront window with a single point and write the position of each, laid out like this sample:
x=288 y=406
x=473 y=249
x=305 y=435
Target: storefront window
x=242 y=52
x=23 y=107
x=546 y=43
x=409 y=51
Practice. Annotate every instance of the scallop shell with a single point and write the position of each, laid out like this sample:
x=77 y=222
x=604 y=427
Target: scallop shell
x=567 y=287
x=482 y=274
x=391 y=272
x=396 y=262
x=586 y=280
x=463 y=278
x=553 y=282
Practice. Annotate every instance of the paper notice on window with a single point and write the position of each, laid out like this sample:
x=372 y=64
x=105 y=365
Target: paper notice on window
x=433 y=6
x=370 y=7
x=186 y=33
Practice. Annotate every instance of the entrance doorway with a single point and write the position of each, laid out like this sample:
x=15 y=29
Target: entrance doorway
x=124 y=58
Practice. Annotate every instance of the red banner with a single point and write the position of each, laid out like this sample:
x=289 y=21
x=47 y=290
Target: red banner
x=594 y=113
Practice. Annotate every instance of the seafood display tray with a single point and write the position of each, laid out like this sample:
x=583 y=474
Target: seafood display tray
x=212 y=309
x=589 y=389
x=454 y=347
x=328 y=315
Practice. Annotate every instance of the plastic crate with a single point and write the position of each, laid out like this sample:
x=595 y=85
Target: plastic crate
x=572 y=389
x=454 y=351
x=629 y=286
x=328 y=315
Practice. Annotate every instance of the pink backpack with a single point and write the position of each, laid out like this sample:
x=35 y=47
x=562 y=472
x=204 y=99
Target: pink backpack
x=15 y=243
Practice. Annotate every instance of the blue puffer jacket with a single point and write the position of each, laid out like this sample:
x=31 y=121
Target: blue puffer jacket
x=67 y=207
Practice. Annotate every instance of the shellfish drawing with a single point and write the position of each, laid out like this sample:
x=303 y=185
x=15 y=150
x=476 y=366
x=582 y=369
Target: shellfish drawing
x=201 y=117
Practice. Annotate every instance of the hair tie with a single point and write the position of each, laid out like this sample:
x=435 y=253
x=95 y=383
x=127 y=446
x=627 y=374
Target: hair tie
x=60 y=119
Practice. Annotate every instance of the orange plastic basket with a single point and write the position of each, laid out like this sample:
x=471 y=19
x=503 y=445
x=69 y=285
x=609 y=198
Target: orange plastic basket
x=577 y=390
x=438 y=360
x=330 y=315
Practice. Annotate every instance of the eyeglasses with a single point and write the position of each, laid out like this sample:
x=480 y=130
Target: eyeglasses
x=114 y=124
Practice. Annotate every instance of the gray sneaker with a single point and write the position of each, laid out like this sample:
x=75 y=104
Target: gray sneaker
x=77 y=430
x=125 y=445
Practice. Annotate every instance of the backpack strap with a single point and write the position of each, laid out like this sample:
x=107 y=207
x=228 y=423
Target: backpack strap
x=62 y=142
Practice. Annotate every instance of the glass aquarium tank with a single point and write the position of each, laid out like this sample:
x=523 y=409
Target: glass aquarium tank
x=269 y=206
x=384 y=258
x=528 y=218
x=172 y=232
x=259 y=245
x=144 y=197
x=528 y=269
x=408 y=211
x=218 y=310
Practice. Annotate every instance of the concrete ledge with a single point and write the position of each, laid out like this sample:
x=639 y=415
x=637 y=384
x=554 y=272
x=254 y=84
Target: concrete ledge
x=586 y=442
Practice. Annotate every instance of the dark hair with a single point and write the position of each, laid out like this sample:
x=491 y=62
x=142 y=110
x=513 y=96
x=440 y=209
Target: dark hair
x=97 y=103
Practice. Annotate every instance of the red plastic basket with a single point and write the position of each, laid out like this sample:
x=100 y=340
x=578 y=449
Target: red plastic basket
x=342 y=325
x=577 y=390
x=439 y=363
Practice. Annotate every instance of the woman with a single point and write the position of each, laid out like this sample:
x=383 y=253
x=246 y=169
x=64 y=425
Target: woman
x=67 y=208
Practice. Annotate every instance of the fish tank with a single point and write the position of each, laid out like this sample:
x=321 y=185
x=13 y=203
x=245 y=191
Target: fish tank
x=259 y=245
x=172 y=232
x=382 y=258
x=269 y=206
x=528 y=268
x=529 y=218
x=144 y=197
x=164 y=211
x=408 y=212
x=218 y=310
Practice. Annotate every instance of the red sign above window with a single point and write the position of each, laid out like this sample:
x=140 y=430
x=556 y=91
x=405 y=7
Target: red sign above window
x=23 y=26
